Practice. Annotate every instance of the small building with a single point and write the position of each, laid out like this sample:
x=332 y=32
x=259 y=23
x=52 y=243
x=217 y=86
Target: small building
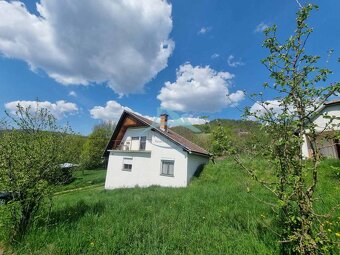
x=327 y=142
x=143 y=153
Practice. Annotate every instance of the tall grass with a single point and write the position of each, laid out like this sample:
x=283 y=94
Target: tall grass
x=214 y=215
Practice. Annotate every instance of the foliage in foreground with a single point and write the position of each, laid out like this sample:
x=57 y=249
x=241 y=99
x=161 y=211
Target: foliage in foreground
x=297 y=80
x=31 y=151
x=214 y=215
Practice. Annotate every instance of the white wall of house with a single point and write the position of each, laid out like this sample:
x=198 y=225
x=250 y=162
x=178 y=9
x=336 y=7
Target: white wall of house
x=327 y=147
x=305 y=147
x=146 y=165
x=194 y=162
x=321 y=122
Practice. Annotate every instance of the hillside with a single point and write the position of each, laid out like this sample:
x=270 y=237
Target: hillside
x=238 y=130
x=214 y=215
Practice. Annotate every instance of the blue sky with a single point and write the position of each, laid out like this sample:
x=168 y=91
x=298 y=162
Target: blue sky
x=220 y=34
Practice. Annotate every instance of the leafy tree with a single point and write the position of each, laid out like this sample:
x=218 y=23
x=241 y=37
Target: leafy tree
x=92 y=151
x=298 y=82
x=73 y=148
x=221 y=142
x=242 y=137
x=32 y=147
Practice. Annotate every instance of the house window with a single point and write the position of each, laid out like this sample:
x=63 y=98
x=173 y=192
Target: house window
x=142 y=143
x=127 y=164
x=167 y=167
x=134 y=138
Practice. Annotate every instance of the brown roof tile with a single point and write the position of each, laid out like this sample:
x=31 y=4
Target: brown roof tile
x=185 y=142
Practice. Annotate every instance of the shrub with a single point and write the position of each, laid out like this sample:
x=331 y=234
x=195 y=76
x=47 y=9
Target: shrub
x=31 y=151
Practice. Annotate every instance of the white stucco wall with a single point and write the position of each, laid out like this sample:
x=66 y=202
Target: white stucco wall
x=195 y=161
x=305 y=147
x=322 y=125
x=146 y=166
x=321 y=122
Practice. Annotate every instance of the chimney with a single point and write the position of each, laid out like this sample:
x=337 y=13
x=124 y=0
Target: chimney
x=164 y=122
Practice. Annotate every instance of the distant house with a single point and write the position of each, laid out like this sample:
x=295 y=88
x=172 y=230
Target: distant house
x=143 y=153
x=327 y=143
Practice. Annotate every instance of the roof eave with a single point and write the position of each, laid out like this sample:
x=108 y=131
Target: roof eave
x=208 y=155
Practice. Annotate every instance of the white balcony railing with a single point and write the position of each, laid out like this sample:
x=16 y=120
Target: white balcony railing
x=131 y=145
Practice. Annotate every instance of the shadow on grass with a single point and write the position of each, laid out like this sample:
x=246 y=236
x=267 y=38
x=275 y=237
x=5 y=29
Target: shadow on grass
x=74 y=213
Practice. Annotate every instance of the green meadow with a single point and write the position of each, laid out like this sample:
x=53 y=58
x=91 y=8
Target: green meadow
x=221 y=212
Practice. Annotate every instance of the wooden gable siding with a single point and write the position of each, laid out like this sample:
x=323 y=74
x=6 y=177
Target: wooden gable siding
x=127 y=122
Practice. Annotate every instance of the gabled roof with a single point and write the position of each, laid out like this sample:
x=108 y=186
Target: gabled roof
x=333 y=102
x=169 y=134
x=324 y=106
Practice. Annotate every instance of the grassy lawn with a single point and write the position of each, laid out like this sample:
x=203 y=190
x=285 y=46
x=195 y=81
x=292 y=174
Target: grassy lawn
x=214 y=215
x=84 y=179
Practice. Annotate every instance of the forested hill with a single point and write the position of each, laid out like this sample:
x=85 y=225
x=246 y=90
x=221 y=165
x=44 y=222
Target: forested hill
x=233 y=126
x=237 y=130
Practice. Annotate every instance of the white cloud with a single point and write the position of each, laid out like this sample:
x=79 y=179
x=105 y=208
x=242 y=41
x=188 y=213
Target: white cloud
x=262 y=108
x=261 y=27
x=59 y=109
x=110 y=112
x=175 y=120
x=215 y=55
x=124 y=42
x=113 y=110
x=232 y=62
x=234 y=98
x=199 y=89
x=72 y=93
x=187 y=121
x=204 y=30
x=274 y=107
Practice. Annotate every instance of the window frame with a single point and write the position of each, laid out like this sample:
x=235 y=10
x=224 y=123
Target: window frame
x=169 y=162
x=124 y=164
x=142 y=143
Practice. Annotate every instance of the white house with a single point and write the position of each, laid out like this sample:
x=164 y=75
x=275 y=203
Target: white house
x=143 y=153
x=329 y=146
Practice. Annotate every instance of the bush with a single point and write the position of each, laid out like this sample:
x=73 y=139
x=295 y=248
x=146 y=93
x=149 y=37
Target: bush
x=31 y=151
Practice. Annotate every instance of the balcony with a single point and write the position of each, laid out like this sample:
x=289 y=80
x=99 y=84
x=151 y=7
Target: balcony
x=133 y=145
x=123 y=147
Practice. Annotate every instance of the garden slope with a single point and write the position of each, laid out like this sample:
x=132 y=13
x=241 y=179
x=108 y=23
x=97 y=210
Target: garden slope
x=214 y=215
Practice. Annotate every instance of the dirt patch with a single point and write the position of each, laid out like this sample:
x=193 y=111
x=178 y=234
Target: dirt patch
x=1 y=251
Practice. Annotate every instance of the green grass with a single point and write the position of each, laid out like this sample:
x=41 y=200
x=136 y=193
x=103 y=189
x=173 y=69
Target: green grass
x=84 y=178
x=214 y=215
